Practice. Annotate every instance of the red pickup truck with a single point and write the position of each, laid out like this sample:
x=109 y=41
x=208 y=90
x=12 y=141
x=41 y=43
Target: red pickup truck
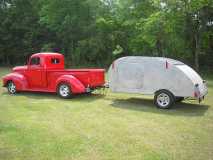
x=45 y=72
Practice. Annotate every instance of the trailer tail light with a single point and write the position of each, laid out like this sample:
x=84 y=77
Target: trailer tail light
x=196 y=91
x=195 y=94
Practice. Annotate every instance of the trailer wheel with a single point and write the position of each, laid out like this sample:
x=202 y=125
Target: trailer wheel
x=11 y=87
x=164 y=99
x=64 y=90
x=179 y=99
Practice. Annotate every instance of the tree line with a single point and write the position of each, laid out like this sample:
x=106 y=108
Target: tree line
x=95 y=32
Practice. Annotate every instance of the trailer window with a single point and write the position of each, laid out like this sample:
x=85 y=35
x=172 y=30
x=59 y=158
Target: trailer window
x=35 y=61
x=55 y=61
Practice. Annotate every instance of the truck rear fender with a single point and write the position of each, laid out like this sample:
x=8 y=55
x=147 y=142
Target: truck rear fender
x=19 y=80
x=75 y=84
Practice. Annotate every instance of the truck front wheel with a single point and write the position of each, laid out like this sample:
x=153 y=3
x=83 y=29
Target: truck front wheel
x=11 y=87
x=64 y=90
x=164 y=99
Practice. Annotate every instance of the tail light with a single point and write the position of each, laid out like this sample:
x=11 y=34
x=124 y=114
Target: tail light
x=195 y=94
x=196 y=91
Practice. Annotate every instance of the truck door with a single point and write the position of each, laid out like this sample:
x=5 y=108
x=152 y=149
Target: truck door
x=34 y=74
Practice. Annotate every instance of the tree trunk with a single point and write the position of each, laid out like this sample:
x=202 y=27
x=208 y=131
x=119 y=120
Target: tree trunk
x=159 y=48
x=6 y=60
x=197 y=52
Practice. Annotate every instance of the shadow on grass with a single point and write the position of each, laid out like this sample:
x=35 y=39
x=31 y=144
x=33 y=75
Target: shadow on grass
x=146 y=105
x=136 y=104
x=54 y=96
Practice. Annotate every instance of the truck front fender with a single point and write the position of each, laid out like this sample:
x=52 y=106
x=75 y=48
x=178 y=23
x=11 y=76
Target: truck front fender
x=75 y=84
x=19 y=80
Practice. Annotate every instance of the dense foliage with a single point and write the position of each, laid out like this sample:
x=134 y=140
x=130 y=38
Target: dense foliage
x=94 y=32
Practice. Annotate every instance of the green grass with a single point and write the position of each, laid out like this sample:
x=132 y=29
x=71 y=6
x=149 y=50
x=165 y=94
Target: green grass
x=38 y=126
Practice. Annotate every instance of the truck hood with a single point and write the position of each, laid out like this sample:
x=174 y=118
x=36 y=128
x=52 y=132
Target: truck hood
x=19 y=68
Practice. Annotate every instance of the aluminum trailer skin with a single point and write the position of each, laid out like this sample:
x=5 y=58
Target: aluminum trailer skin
x=167 y=79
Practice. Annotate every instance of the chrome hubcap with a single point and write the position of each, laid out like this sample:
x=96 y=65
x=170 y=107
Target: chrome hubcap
x=64 y=90
x=11 y=87
x=163 y=100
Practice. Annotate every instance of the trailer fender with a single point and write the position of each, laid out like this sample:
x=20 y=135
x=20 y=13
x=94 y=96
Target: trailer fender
x=19 y=80
x=75 y=84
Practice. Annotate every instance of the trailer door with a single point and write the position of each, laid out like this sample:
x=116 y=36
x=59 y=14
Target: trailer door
x=130 y=76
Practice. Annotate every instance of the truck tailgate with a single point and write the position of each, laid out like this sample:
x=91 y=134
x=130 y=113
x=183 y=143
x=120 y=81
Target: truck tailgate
x=97 y=77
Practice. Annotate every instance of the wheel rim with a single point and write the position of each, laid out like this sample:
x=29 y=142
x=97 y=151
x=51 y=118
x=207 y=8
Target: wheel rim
x=163 y=100
x=64 y=90
x=11 y=87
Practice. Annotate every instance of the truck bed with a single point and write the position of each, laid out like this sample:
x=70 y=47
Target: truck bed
x=92 y=78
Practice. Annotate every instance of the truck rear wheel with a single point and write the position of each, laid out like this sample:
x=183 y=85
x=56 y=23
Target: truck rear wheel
x=164 y=99
x=11 y=87
x=64 y=90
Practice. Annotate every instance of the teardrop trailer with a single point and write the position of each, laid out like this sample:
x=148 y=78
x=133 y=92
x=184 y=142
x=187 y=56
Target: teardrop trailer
x=169 y=80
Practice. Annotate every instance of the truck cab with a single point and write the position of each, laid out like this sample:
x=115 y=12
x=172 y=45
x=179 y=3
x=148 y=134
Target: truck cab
x=37 y=66
x=45 y=72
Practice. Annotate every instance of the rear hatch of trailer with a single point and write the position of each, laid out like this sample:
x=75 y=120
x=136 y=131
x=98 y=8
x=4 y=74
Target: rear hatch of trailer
x=195 y=78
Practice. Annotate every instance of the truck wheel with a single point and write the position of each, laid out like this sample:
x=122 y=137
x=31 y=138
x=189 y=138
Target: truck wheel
x=11 y=87
x=179 y=99
x=164 y=99
x=64 y=90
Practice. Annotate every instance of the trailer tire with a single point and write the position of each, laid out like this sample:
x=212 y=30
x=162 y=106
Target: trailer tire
x=11 y=87
x=64 y=90
x=164 y=99
x=179 y=99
